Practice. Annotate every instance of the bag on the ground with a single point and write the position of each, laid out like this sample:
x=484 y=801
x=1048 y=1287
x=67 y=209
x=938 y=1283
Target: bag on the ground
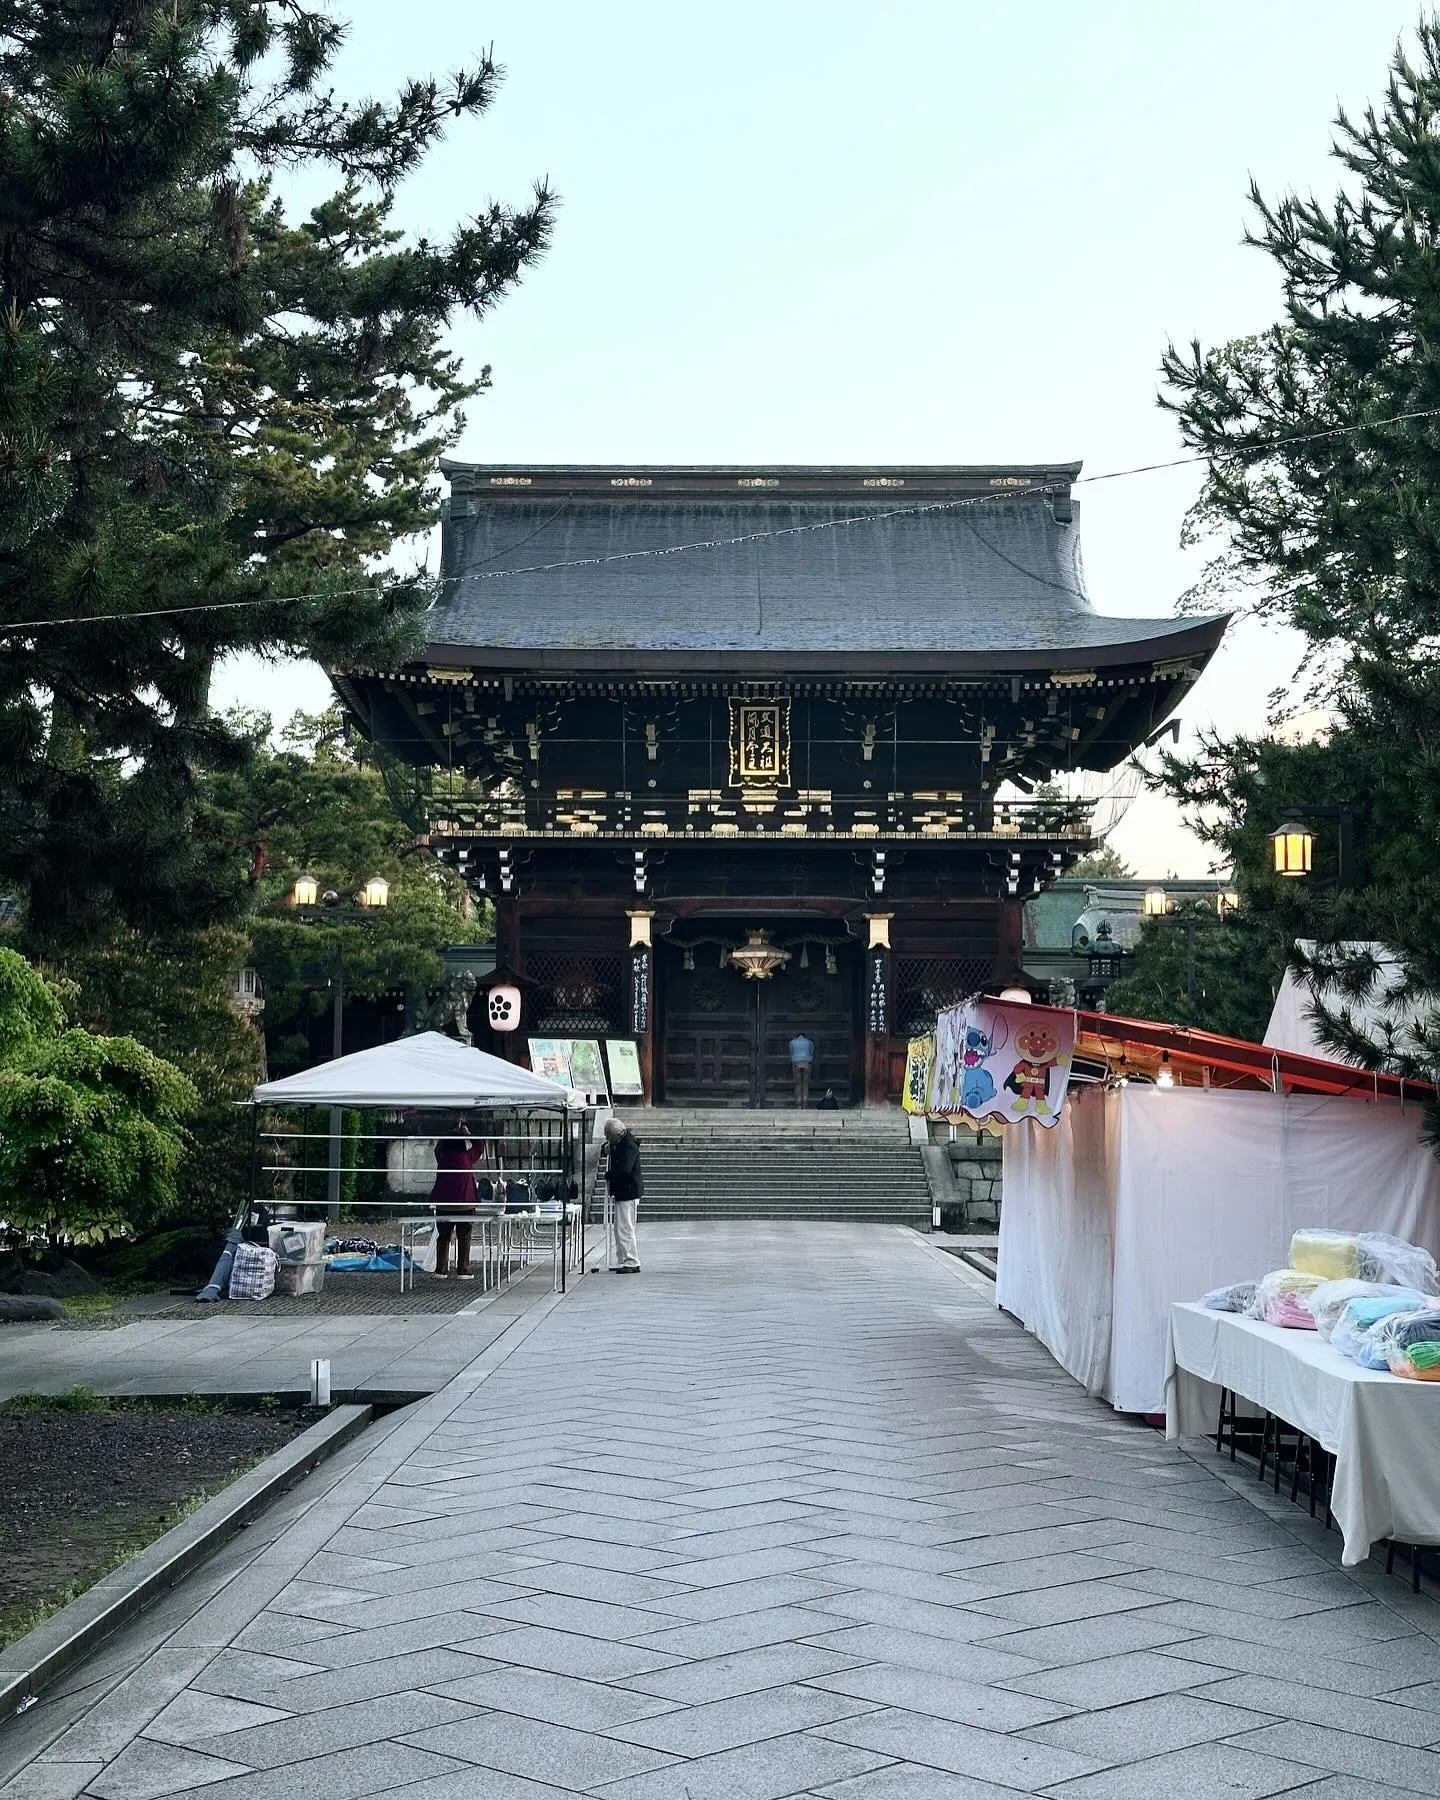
x=252 y=1274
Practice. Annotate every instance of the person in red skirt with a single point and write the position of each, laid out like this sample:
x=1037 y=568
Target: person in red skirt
x=454 y=1192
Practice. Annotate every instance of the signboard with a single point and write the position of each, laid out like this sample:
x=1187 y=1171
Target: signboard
x=878 y=1009
x=550 y=1058
x=624 y=1062
x=999 y=1062
x=919 y=1058
x=640 y=990
x=587 y=1072
x=759 y=743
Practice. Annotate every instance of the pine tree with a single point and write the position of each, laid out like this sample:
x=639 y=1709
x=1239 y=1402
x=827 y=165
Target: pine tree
x=1322 y=440
x=216 y=419
x=1195 y=967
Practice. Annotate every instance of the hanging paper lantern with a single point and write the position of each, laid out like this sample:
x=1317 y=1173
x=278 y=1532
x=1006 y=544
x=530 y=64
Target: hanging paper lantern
x=503 y=1008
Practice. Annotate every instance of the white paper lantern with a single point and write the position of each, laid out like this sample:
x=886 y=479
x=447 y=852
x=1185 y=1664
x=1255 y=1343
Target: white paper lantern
x=503 y=1008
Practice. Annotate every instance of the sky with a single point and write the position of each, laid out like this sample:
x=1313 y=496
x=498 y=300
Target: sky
x=826 y=231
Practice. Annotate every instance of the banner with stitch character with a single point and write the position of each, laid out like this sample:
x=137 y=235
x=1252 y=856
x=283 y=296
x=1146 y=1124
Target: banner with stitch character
x=996 y=1062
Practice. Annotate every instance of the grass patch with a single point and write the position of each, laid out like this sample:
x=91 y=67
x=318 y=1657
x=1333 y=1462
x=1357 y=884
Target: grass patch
x=80 y=1399
x=15 y=1625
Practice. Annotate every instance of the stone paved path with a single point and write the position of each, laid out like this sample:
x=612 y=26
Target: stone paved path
x=795 y=1512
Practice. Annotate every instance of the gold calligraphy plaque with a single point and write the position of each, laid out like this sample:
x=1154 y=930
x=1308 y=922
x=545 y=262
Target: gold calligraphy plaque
x=760 y=743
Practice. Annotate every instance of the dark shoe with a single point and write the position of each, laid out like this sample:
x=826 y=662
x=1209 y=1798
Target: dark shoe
x=630 y=1269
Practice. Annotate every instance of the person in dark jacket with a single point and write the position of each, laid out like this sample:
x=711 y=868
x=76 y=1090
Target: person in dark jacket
x=626 y=1185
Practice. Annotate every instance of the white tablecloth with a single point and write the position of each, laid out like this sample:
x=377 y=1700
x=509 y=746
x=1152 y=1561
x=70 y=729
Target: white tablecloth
x=1383 y=1430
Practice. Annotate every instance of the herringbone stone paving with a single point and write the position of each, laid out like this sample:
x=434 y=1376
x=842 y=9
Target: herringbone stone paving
x=796 y=1512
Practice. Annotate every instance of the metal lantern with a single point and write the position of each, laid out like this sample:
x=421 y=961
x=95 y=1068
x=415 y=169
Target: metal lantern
x=502 y=1007
x=1292 y=844
x=1156 y=903
x=376 y=892
x=757 y=959
x=305 y=892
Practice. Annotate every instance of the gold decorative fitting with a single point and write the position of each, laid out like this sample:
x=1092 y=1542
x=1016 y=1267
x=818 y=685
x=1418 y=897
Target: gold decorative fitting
x=879 y=924
x=883 y=481
x=509 y=481
x=758 y=481
x=1009 y=481
x=630 y=481
x=757 y=959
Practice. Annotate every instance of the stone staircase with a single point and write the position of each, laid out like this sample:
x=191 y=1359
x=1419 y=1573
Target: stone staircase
x=856 y=1167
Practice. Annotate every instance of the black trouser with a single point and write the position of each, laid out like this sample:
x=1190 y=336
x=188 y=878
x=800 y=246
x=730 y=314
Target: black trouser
x=463 y=1234
x=802 y=1083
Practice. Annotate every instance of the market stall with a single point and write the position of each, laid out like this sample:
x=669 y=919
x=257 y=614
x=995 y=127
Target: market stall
x=1145 y=1195
x=378 y=1126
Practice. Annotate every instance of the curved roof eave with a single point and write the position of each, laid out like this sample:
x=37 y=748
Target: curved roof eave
x=1155 y=640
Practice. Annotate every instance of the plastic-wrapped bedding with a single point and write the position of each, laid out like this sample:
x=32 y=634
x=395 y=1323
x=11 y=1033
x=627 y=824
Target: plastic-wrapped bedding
x=1332 y=1255
x=1385 y=1258
x=1358 y=1331
x=1330 y=1299
x=1281 y=1299
x=1410 y=1342
x=1239 y=1297
x=1420 y=1362
x=1416 y=1328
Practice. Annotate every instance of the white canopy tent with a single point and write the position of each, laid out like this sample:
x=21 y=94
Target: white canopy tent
x=428 y=1070
x=1292 y=1020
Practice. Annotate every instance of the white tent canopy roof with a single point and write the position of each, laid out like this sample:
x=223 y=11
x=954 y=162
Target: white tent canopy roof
x=428 y=1070
x=1292 y=1022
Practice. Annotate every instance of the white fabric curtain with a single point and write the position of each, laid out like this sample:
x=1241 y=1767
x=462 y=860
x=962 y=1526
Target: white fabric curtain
x=1057 y=1225
x=1145 y=1196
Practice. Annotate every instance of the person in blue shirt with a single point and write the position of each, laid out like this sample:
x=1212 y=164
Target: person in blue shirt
x=802 y=1061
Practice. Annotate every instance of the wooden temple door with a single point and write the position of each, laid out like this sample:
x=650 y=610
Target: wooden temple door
x=726 y=1040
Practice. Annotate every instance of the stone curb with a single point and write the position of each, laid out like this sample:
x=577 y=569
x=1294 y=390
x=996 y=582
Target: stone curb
x=74 y=1633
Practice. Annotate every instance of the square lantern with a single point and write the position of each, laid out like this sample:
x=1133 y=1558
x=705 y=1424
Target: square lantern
x=1291 y=845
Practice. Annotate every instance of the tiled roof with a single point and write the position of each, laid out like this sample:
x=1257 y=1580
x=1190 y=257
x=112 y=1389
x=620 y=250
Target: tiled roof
x=579 y=572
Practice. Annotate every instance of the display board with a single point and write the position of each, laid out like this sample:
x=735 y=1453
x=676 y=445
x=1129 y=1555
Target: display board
x=624 y=1061
x=587 y=1071
x=550 y=1058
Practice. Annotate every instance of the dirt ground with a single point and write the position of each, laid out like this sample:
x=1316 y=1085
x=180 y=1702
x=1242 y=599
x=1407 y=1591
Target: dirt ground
x=82 y=1490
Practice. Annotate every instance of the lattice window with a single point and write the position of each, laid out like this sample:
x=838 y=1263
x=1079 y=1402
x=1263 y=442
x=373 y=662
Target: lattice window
x=579 y=996
x=926 y=984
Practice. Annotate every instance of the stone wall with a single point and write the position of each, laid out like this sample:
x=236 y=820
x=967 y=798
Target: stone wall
x=972 y=1162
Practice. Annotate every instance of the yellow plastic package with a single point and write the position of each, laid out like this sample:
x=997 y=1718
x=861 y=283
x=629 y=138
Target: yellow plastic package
x=1332 y=1255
